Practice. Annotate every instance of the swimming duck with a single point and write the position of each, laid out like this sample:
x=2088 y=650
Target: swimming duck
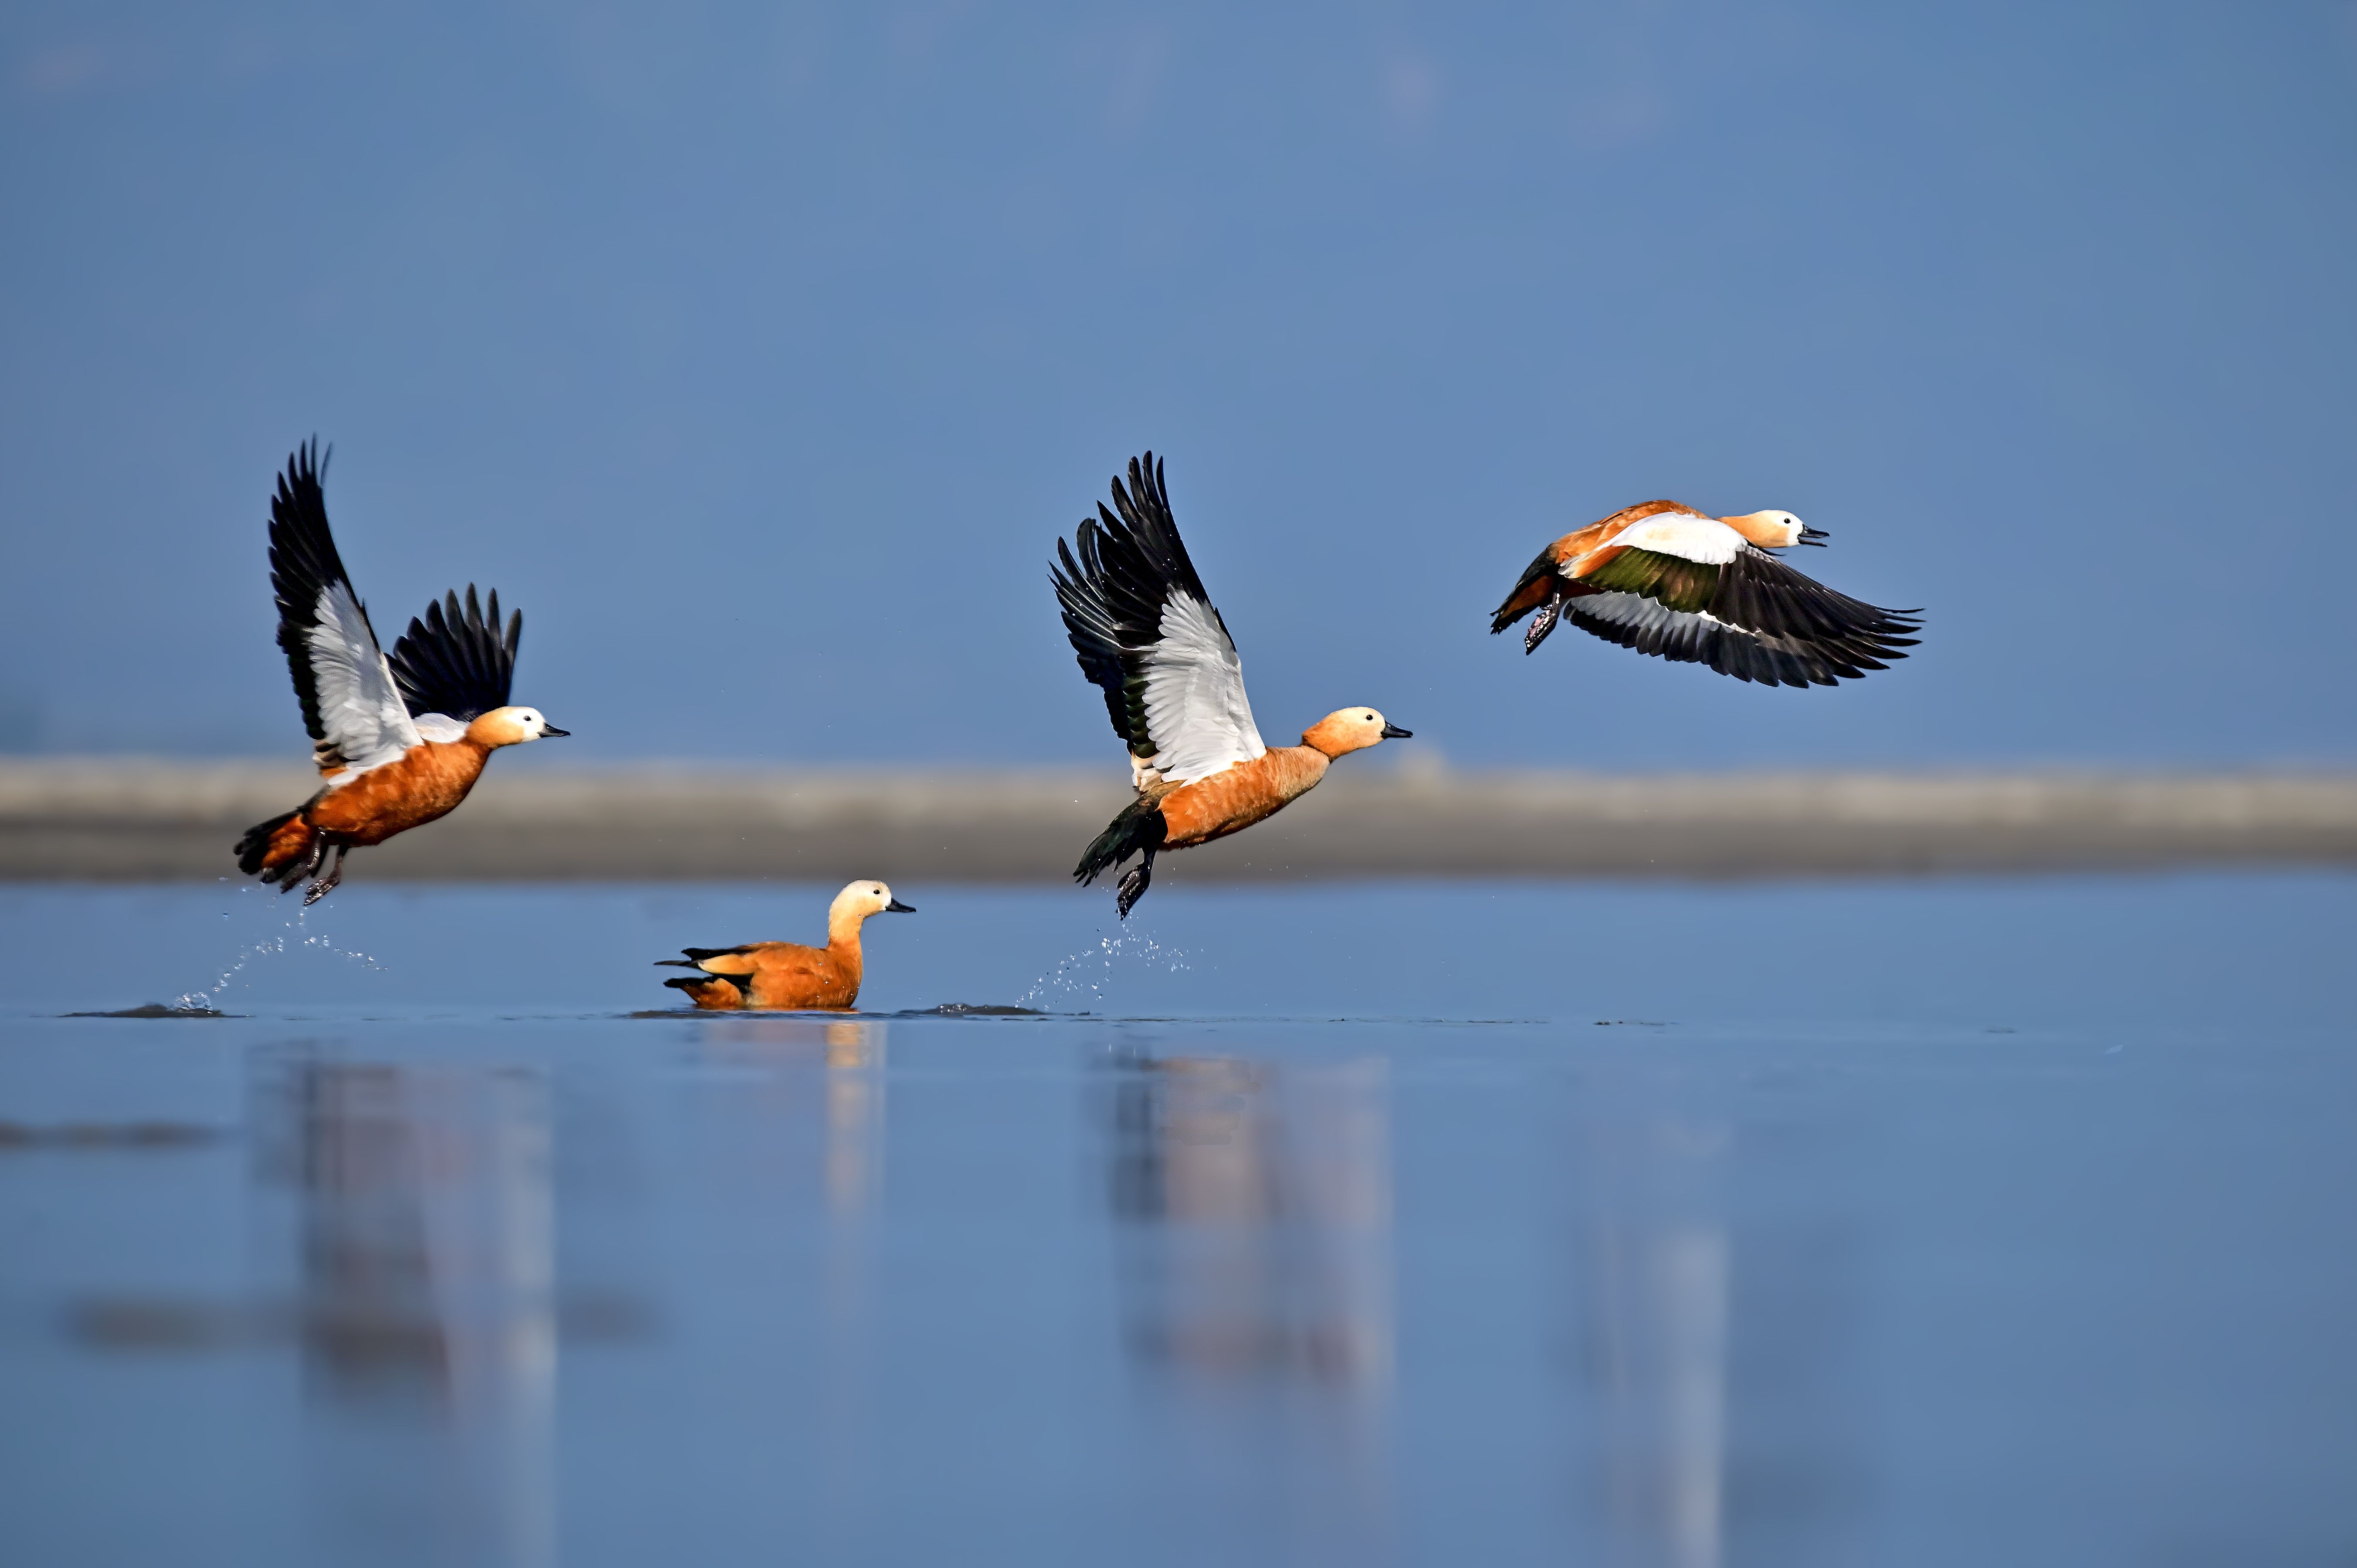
x=1667 y=580
x=398 y=742
x=1148 y=635
x=788 y=975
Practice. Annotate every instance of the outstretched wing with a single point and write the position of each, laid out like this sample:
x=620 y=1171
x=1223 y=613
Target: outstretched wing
x=351 y=706
x=1751 y=616
x=1147 y=636
x=456 y=662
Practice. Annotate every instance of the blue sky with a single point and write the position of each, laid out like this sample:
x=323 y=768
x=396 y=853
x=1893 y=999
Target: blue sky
x=761 y=353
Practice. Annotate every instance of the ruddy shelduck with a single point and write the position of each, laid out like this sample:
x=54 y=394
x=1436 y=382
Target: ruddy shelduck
x=1667 y=580
x=1146 y=634
x=788 y=975
x=398 y=742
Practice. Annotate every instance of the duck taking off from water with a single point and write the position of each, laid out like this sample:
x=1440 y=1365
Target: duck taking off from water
x=1670 y=581
x=398 y=742
x=788 y=975
x=1147 y=636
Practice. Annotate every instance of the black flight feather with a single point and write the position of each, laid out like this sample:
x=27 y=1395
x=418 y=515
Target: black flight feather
x=304 y=563
x=456 y=660
x=1768 y=623
x=1124 y=565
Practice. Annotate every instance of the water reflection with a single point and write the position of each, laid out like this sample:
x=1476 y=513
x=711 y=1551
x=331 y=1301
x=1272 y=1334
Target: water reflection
x=854 y=1117
x=425 y=1239
x=1256 y=1287
x=823 y=1082
x=1655 y=1318
x=855 y=1098
x=1712 y=1353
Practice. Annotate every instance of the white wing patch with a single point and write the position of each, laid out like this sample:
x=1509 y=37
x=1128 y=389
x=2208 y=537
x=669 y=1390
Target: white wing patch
x=1687 y=535
x=438 y=726
x=367 y=725
x=1196 y=710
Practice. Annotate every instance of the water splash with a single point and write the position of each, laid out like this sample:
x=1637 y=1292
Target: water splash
x=294 y=935
x=1084 y=974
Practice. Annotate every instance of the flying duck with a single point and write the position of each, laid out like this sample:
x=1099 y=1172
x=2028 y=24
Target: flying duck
x=1668 y=580
x=1148 y=635
x=399 y=741
x=788 y=975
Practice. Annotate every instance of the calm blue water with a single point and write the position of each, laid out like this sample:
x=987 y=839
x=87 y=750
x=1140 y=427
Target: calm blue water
x=1898 y=1223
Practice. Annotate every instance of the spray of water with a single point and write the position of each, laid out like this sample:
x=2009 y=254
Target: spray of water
x=1085 y=975
x=294 y=935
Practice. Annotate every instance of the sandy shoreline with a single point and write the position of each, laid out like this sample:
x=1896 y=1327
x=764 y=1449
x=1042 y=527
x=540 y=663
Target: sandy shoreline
x=121 y=820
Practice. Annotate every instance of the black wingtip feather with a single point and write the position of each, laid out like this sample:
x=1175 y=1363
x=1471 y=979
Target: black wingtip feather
x=1776 y=626
x=1123 y=565
x=454 y=660
x=303 y=562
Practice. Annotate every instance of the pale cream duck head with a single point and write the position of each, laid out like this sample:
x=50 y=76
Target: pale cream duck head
x=860 y=900
x=1346 y=730
x=1774 y=529
x=512 y=727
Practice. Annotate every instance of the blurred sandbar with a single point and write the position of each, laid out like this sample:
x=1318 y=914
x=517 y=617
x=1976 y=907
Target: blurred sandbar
x=128 y=820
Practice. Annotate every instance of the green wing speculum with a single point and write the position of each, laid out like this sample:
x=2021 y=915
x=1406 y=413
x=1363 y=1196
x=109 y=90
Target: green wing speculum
x=1669 y=580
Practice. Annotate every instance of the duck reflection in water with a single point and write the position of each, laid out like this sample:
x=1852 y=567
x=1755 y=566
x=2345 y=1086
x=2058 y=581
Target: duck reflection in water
x=805 y=1130
x=1655 y=1341
x=427 y=1244
x=844 y=1061
x=1256 y=1285
x=1715 y=1350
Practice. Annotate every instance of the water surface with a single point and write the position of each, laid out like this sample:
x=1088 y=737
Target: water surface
x=1937 y=1223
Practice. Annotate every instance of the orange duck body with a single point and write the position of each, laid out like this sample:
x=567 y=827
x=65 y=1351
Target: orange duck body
x=777 y=975
x=789 y=975
x=1541 y=579
x=1235 y=798
x=428 y=783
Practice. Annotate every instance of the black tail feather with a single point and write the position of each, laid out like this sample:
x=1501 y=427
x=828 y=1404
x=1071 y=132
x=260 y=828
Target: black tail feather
x=690 y=982
x=1506 y=614
x=1139 y=830
x=256 y=843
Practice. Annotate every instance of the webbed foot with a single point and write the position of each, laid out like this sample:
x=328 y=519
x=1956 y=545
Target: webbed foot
x=325 y=883
x=1134 y=884
x=295 y=871
x=1542 y=623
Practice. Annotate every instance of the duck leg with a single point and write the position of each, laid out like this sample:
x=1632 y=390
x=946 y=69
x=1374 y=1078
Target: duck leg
x=296 y=870
x=1134 y=882
x=326 y=881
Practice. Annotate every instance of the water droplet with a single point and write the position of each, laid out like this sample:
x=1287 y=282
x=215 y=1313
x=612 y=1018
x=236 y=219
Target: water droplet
x=1077 y=971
